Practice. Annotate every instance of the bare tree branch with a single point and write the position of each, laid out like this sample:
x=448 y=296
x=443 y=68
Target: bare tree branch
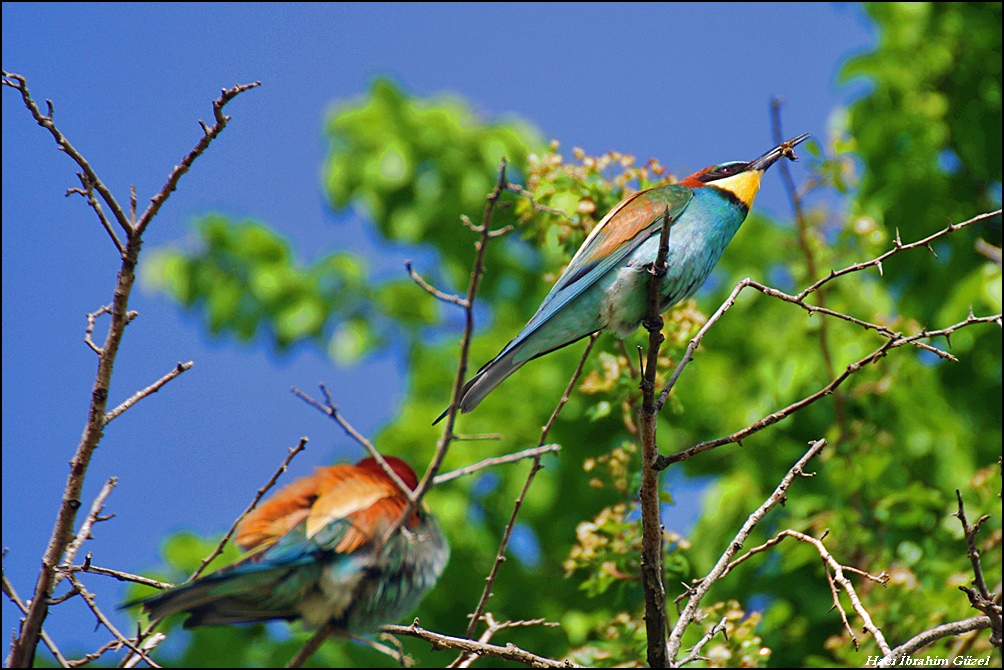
x=466 y=659
x=149 y=390
x=695 y=651
x=106 y=622
x=312 y=645
x=20 y=84
x=980 y=597
x=331 y=409
x=920 y=641
x=87 y=192
x=22 y=651
x=510 y=652
x=486 y=233
x=209 y=134
x=93 y=517
x=496 y=460
x=664 y=461
x=117 y=574
x=432 y=290
x=651 y=518
x=898 y=246
x=293 y=451
x=799 y=299
x=699 y=590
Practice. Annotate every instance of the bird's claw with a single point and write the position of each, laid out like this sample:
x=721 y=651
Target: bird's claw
x=652 y=325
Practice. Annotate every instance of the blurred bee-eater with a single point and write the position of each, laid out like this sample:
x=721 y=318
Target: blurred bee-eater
x=605 y=286
x=315 y=556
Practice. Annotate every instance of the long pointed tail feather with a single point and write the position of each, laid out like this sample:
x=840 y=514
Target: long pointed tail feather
x=483 y=383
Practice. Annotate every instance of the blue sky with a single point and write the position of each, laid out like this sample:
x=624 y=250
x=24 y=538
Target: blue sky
x=688 y=84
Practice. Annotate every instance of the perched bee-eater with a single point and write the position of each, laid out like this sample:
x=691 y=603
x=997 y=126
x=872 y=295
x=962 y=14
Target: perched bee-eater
x=605 y=286
x=315 y=558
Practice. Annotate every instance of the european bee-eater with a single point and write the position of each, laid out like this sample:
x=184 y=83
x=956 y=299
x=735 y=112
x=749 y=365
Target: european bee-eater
x=314 y=556
x=605 y=286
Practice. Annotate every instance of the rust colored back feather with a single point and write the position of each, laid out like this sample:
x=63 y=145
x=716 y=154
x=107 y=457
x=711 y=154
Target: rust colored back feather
x=363 y=494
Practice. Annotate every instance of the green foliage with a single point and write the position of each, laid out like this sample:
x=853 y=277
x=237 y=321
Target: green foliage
x=904 y=433
x=415 y=166
x=929 y=134
x=245 y=277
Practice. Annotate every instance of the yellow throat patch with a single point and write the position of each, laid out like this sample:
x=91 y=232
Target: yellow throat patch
x=743 y=185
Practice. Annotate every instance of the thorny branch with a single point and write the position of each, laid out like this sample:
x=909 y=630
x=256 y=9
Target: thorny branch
x=799 y=299
x=664 y=461
x=898 y=246
x=22 y=651
x=698 y=591
x=980 y=597
x=836 y=578
x=466 y=659
x=695 y=651
x=509 y=652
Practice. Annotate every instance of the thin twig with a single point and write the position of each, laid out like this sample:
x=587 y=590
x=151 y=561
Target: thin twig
x=293 y=451
x=87 y=192
x=698 y=591
x=106 y=622
x=478 y=437
x=149 y=390
x=117 y=574
x=898 y=246
x=510 y=652
x=432 y=290
x=331 y=409
x=466 y=659
x=209 y=134
x=503 y=545
x=492 y=462
x=664 y=461
x=93 y=517
x=89 y=331
x=695 y=651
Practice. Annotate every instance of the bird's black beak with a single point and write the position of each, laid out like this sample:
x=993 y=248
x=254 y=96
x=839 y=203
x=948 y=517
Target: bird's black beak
x=783 y=150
